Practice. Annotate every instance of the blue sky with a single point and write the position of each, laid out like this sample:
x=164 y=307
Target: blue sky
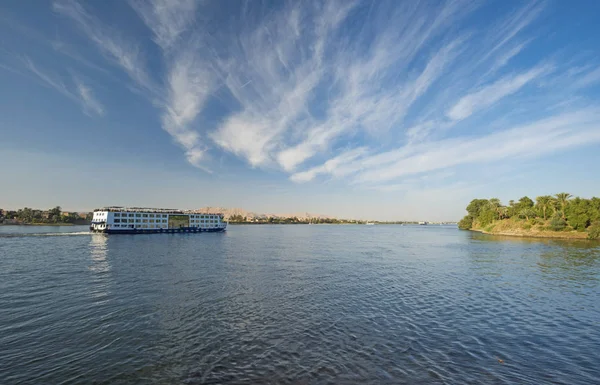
x=379 y=110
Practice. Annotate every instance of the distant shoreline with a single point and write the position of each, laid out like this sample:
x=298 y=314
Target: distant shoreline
x=41 y=224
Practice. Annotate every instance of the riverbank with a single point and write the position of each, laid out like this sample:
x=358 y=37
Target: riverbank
x=521 y=228
x=535 y=233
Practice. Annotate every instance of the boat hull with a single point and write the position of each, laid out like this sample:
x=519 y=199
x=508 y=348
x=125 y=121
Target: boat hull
x=182 y=230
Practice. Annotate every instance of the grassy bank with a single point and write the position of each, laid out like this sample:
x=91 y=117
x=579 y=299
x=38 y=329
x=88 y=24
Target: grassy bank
x=523 y=228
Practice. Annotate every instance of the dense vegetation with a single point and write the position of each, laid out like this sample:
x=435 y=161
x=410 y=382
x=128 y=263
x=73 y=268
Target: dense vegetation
x=54 y=215
x=560 y=212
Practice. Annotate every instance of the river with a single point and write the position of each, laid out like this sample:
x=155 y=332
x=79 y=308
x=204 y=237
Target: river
x=297 y=304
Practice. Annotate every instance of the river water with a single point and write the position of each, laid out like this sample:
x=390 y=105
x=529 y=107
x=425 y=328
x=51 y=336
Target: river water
x=297 y=304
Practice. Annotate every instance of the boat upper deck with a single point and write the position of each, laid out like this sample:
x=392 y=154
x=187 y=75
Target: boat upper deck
x=117 y=209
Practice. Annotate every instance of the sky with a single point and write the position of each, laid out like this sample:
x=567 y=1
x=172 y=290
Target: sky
x=382 y=110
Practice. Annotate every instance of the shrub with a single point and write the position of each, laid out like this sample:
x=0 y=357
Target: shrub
x=526 y=226
x=486 y=217
x=557 y=223
x=466 y=223
x=594 y=231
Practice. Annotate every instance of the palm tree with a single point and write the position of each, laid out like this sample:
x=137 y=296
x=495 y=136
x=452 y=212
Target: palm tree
x=496 y=205
x=563 y=200
x=544 y=202
x=527 y=213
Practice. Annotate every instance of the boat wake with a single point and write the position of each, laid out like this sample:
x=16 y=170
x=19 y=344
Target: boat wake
x=25 y=235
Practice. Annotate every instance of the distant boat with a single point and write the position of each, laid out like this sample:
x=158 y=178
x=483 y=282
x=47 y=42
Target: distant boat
x=423 y=223
x=370 y=223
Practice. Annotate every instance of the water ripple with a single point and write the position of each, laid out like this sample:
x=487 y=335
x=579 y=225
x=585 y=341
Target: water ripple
x=298 y=305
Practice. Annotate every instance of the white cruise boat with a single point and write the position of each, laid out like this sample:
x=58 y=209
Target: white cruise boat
x=137 y=220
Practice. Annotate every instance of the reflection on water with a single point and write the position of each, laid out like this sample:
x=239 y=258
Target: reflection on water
x=100 y=266
x=98 y=252
x=559 y=260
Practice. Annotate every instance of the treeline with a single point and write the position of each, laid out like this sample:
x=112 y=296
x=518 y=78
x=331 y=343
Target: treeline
x=28 y=215
x=289 y=220
x=560 y=212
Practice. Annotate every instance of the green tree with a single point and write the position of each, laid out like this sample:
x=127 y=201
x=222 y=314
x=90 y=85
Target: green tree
x=594 y=231
x=544 y=203
x=595 y=209
x=486 y=216
x=466 y=223
x=557 y=223
x=563 y=200
x=578 y=213
x=475 y=207
x=525 y=203
x=495 y=205
x=54 y=214
x=527 y=213
x=25 y=215
x=511 y=210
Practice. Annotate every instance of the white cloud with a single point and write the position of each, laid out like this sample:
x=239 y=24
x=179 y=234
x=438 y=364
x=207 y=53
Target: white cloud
x=189 y=80
x=81 y=94
x=589 y=79
x=492 y=93
x=271 y=70
x=505 y=30
x=114 y=47
x=168 y=19
x=307 y=80
x=332 y=166
x=387 y=171
x=189 y=84
x=88 y=99
x=541 y=137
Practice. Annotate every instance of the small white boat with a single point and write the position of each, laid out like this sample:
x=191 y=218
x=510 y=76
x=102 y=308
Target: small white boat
x=370 y=223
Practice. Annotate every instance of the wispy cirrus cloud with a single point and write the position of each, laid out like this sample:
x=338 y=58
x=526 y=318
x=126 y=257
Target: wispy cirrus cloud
x=111 y=44
x=271 y=70
x=79 y=92
x=366 y=91
x=492 y=93
x=167 y=19
x=188 y=80
x=558 y=132
x=88 y=99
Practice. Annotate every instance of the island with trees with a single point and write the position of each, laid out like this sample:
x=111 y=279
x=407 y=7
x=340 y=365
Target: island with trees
x=557 y=216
